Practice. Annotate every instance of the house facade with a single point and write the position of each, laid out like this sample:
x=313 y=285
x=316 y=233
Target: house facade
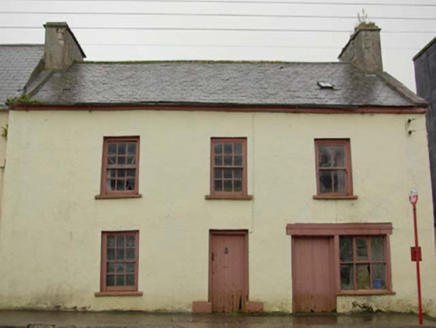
x=216 y=187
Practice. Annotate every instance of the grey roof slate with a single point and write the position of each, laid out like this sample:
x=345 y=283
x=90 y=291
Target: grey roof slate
x=244 y=83
x=17 y=62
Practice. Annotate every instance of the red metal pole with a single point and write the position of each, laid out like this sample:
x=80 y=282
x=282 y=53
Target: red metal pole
x=418 y=275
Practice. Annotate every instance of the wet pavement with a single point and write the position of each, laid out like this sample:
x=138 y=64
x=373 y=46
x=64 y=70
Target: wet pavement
x=59 y=319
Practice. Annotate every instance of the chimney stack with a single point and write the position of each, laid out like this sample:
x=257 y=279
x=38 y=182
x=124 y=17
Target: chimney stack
x=61 y=47
x=363 y=49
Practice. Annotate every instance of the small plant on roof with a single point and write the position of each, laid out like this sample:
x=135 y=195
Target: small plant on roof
x=23 y=99
x=5 y=131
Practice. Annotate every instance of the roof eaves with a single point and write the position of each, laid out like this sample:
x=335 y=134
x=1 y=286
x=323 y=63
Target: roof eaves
x=424 y=49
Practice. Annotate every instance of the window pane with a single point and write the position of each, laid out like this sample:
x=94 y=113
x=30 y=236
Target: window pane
x=228 y=148
x=120 y=267
x=218 y=160
x=228 y=160
x=238 y=160
x=227 y=185
x=361 y=249
x=325 y=182
x=130 y=254
x=130 y=280
x=218 y=148
x=130 y=241
x=111 y=160
x=347 y=276
x=112 y=149
x=110 y=254
x=131 y=173
x=377 y=248
x=110 y=267
x=120 y=280
x=378 y=276
x=121 y=160
x=121 y=149
x=324 y=156
x=237 y=173
x=228 y=174
x=120 y=254
x=218 y=173
x=121 y=173
x=110 y=184
x=131 y=160
x=120 y=241
x=130 y=184
x=346 y=248
x=111 y=241
x=110 y=280
x=362 y=276
x=238 y=148
x=131 y=149
x=111 y=173
x=130 y=267
x=339 y=181
x=121 y=184
x=238 y=185
x=338 y=156
x=218 y=185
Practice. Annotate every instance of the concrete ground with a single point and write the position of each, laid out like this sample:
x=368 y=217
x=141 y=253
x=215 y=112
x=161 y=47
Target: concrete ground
x=59 y=319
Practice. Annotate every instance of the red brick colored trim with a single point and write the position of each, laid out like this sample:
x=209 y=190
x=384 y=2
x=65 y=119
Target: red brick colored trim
x=254 y=307
x=133 y=293
x=224 y=108
x=201 y=307
x=229 y=197
x=337 y=229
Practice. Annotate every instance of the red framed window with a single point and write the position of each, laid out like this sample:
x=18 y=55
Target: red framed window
x=120 y=166
x=333 y=167
x=363 y=262
x=119 y=267
x=229 y=167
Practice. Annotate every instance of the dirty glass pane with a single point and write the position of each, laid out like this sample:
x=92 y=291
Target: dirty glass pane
x=130 y=184
x=120 y=280
x=228 y=160
x=121 y=184
x=120 y=241
x=131 y=150
x=130 y=254
x=120 y=267
x=325 y=182
x=121 y=149
x=121 y=160
x=110 y=184
x=218 y=185
x=110 y=280
x=377 y=249
x=218 y=148
x=362 y=276
x=120 y=254
x=228 y=174
x=218 y=160
x=218 y=173
x=361 y=249
x=110 y=267
x=324 y=156
x=238 y=160
x=228 y=148
x=111 y=173
x=131 y=173
x=130 y=280
x=131 y=160
x=238 y=148
x=338 y=156
x=121 y=173
x=339 y=181
x=130 y=267
x=237 y=173
x=227 y=185
x=346 y=248
x=378 y=276
x=130 y=241
x=112 y=149
x=110 y=254
x=111 y=241
x=238 y=185
x=347 y=276
x=111 y=160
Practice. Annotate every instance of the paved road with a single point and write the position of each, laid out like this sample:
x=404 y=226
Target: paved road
x=45 y=319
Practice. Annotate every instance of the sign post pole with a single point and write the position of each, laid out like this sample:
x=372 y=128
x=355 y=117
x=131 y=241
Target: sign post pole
x=413 y=198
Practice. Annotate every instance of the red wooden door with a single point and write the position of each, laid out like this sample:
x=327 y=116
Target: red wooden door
x=313 y=283
x=228 y=271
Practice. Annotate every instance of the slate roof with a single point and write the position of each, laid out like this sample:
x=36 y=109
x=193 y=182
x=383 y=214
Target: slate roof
x=243 y=83
x=17 y=62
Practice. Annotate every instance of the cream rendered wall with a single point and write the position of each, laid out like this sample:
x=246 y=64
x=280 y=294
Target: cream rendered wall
x=4 y=116
x=51 y=225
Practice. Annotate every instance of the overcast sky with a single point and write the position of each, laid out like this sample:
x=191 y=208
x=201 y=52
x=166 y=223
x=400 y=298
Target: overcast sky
x=287 y=30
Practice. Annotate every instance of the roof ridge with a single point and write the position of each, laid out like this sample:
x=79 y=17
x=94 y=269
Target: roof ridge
x=128 y=62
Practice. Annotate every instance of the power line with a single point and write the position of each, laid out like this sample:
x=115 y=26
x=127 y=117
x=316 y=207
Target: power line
x=202 y=29
x=211 y=15
x=383 y=4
